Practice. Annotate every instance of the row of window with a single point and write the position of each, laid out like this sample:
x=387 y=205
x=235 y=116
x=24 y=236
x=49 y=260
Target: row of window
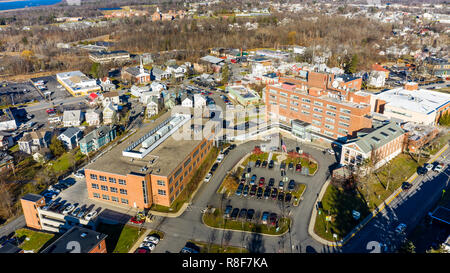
x=111 y=189
x=113 y=198
x=110 y=179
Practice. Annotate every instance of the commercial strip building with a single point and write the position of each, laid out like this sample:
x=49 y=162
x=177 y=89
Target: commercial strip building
x=153 y=169
x=109 y=56
x=333 y=108
x=243 y=95
x=411 y=104
x=77 y=83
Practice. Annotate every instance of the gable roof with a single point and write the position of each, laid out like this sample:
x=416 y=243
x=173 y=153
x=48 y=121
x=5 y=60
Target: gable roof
x=71 y=131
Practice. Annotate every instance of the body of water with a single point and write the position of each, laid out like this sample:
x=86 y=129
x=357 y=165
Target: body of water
x=26 y=4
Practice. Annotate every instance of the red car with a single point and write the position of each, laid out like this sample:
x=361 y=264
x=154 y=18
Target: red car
x=261 y=181
x=136 y=221
x=298 y=168
x=142 y=250
x=50 y=111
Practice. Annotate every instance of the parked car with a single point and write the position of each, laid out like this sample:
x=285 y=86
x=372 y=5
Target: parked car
x=298 y=167
x=291 y=185
x=406 y=186
x=239 y=189
x=250 y=214
x=246 y=190
x=291 y=166
x=330 y=151
x=271 y=182
x=259 y=192
x=253 y=179
x=422 y=170
x=439 y=167
x=429 y=167
x=232 y=146
x=274 y=193
x=288 y=198
x=283 y=166
x=281 y=196
x=214 y=167
x=75 y=212
x=261 y=181
x=90 y=215
x=253 y=190
x=227 y=212
x=68 y=209
x=264 y=164
x=208 y=177
x=271 y=164
x=273 y=218
x=265 y=217
x=234 y=213
x=152 y=239
x=243 y=214
x=267 y=192
x=401 y=228
x=78 y=175
x=148 y=245
x=257 y=163
x=142 y=250
x=281 y=185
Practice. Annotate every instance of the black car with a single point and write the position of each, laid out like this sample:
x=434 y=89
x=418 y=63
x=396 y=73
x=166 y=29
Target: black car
x=249 y=169
x=264 y=164
x=288 y=198
x=246 y=188
x=291 y=166
x=227 y=212
x=267 y=192
x=232 y=146
x=214 y=167
x=234 y=213
x=271 y=182
x=406 y=186
x=259 y=193
x=283 y=166
x=253 y=190
x=271 y=163
x=250 y=214
x=291 y=185
x=242 y=214
x=281 y=196
x=274 y=194
x=257 y=163
x=422 y=170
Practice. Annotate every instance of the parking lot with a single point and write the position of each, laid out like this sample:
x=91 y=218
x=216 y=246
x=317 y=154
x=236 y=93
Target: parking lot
x=50 y=84
x=18 y=93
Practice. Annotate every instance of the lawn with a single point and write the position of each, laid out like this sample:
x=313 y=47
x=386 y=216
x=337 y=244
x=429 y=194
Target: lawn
x=217 y=220
x=120 y=237
x=298 y=193
x=371 y=193
x=254 y=157
x=437 y=144
x=213 y=248
x=312 y=166
x=36 y=239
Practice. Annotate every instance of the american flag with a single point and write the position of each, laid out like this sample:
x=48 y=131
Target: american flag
x=283 y=146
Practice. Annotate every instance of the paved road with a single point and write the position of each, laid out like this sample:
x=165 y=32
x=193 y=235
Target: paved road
x=409 y=207
x=13 y=225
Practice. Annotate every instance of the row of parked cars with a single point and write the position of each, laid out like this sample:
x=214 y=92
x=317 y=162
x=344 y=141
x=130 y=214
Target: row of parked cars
x=62 y=206
x=249 y=215
x=283 y=168
x=54 y=190
x=149 y=243
x=219 y=159
x=428 y=167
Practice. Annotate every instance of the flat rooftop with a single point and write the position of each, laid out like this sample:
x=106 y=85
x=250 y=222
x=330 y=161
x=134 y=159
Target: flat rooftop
x=167 y=156
x=421 y=100
x=87 y=239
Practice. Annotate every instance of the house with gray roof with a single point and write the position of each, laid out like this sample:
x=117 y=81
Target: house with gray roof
x=381 y=145
x=159 y=74
x=72 y=118
x=97 y=138
x=70 y=137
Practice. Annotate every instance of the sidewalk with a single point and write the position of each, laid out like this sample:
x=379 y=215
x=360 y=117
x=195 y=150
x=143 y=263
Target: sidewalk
x=139 y=241
x=369 y=217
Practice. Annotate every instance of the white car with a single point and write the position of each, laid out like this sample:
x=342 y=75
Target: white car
x=208 y=177
x=400 y=228
x=429 y=167
x=152 y=239
x=90 y=215
x=330 y=151
x=148 y=245
x=439 y=168
x=79 y=175
x=219 y=159
x=68 y=209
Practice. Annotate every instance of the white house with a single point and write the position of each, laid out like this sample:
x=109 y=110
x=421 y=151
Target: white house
x=112 y=97
x=152 y=107
x=72 y=118
x=93 y=117
x=138 y=90
x=187 y=102
x=377 y=78
x=109 y=114
x=70 y=137
x=199 y=101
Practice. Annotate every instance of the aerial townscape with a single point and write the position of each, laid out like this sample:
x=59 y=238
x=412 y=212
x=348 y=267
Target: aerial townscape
x=224 y=126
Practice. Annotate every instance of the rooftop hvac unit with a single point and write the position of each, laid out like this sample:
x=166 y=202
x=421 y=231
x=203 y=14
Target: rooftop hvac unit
x=149 y=141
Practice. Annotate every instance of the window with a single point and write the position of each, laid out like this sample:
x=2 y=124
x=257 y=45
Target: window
x=171 y=189
x=283 y=94
x=186 y=173
x=294 y=103
x=329 y=133
x=181 y=188
x=272 y=97
x=102 y=178
x=306 y=112
x=171 y=199
x=330 y=120
x=331 y=114
x=306 y=100
x=318 y=110
x=306 y=106
x=181 y=169
x=317 y=116
x=295 y=97
x=343 y=110
x=96 y=195
x=144 y=191
x=160 y=183
x=112 y=189
x=273 y=91
x=203 y=145
x=112 y=180
x=328 y=126
x=104 y=188
x=316 y=122
x=176 y=184
x=343 y=124
x=343 y=131
x=122 y=191
x=105 y=197
x=193 y=155
x=124 y=201
x=93 y=176
x=344 y=117
x=294 y=109
x=318 y=103
x=115 y=199
x=122 y=182
x=161 y=192
x=95 y=186
x=332 y=107
x=283 y=106
x=282 y=100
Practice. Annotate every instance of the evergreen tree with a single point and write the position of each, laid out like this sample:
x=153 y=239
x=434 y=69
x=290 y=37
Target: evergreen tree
x=57 y=146
x=351 y=65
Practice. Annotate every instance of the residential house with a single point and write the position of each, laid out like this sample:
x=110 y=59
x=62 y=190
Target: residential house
x=70 y=137
x=93 y=99
x=72 y=118
x=169 y=102
x=32 y=142
x=109 y=114
x=6 y=141
x=377 y=79
x=107 y=85
x=93 y=117
x=112 y=97
x=7 y=120
x=159 y=74
x=199 y=101
x=6 y=162
x=97 y=138
x=137 y=91
x=43 y=155
x=152 y=107
x=187 y=101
